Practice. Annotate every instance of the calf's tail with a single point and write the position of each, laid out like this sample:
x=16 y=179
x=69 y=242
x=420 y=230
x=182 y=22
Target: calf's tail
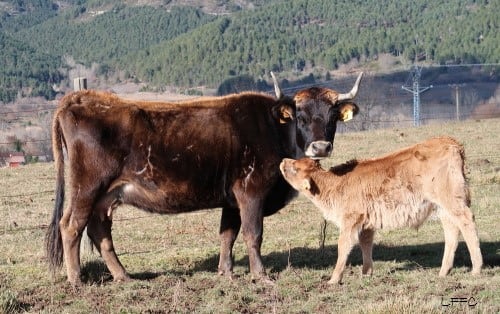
x=53 y=239
x=456 y=164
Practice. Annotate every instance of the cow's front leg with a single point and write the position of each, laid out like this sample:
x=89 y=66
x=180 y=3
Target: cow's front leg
x=229 y=227
x=252 y=229
x=251 y=214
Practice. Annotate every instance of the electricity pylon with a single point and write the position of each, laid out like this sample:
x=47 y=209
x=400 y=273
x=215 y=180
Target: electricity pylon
x=416 y=90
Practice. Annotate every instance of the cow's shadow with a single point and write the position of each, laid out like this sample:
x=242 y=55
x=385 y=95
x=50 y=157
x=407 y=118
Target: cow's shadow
x=410 y=256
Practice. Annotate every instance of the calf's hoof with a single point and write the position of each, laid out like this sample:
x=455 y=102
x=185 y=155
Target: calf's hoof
x=334 y=281
x=443 y=273
x=262 y=278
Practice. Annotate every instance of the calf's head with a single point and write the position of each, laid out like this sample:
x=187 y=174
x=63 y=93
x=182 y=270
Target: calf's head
x=298 y=174
x=318 y=110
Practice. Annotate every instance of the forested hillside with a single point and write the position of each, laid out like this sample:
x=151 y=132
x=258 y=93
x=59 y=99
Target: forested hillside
x=22 y=68
x=162 y=44
x=293 y=35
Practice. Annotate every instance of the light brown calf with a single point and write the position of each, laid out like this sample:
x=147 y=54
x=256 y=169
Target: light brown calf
x=398 y=190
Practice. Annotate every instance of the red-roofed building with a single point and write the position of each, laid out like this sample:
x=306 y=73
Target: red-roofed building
x=15 y=159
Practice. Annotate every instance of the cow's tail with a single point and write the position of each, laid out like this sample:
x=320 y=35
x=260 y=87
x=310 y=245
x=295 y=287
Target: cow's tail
x=53 y=241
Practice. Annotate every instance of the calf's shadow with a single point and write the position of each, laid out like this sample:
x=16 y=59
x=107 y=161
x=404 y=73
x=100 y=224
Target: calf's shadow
x=414 y=257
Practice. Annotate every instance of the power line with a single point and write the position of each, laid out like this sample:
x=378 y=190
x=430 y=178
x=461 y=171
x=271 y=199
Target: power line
x=30 y=110
x=26 y=141
x=463 y=65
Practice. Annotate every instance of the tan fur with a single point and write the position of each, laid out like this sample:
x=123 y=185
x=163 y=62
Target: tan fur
x=398 y=190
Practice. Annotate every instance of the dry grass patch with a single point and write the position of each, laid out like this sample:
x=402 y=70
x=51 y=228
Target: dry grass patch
x=173 y=259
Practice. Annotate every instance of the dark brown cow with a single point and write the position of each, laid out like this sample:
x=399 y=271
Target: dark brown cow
x=398 y=190
x=171 y=158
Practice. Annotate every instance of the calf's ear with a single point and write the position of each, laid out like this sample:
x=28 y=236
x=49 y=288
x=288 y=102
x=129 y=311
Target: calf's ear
x=347 y=111
x=284 y=113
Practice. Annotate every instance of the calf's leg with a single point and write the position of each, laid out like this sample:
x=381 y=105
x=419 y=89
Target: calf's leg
x=451 y=232
x=455 y=210
x=347 y=239
x=366 y=244
x=468 y=228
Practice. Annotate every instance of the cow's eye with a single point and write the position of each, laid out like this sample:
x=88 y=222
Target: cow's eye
x=332 y=114
x=301 y=119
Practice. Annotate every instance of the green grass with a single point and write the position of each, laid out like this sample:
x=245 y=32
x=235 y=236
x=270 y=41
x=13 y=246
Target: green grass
x=173 y=259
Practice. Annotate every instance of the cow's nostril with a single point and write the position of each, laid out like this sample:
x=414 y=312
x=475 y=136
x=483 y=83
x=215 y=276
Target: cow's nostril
x=328 y=148
x=314 y=147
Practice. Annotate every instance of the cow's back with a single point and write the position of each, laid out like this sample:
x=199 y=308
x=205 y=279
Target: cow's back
x=177 y=156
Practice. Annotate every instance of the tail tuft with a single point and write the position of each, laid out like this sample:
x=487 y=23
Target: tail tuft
x=53 y=239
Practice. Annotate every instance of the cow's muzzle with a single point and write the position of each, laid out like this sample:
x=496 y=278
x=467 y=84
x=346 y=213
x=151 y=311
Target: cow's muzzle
x=319 y=149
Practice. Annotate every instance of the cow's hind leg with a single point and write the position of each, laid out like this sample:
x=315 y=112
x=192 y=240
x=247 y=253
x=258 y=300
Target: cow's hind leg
x=229 y=227
x=366 y=244
x=99 y=230
x=72 y=224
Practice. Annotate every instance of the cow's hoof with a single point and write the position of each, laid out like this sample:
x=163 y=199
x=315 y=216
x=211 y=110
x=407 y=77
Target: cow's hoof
x=75 y=282
x=122 y=278
x=228 y=274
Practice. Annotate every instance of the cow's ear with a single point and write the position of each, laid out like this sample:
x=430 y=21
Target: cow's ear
x=347 y=111
x=284 y=113
x=306 y=184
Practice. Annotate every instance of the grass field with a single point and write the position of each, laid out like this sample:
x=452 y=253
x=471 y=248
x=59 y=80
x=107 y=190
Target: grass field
x=173 y=259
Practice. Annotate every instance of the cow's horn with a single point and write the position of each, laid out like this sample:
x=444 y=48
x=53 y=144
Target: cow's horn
x=277 y=88
x=353 y=91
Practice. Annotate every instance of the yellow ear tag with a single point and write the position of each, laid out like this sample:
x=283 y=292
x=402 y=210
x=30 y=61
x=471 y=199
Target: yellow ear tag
x=286 y=115
x=306 y=185
x=347 y=115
